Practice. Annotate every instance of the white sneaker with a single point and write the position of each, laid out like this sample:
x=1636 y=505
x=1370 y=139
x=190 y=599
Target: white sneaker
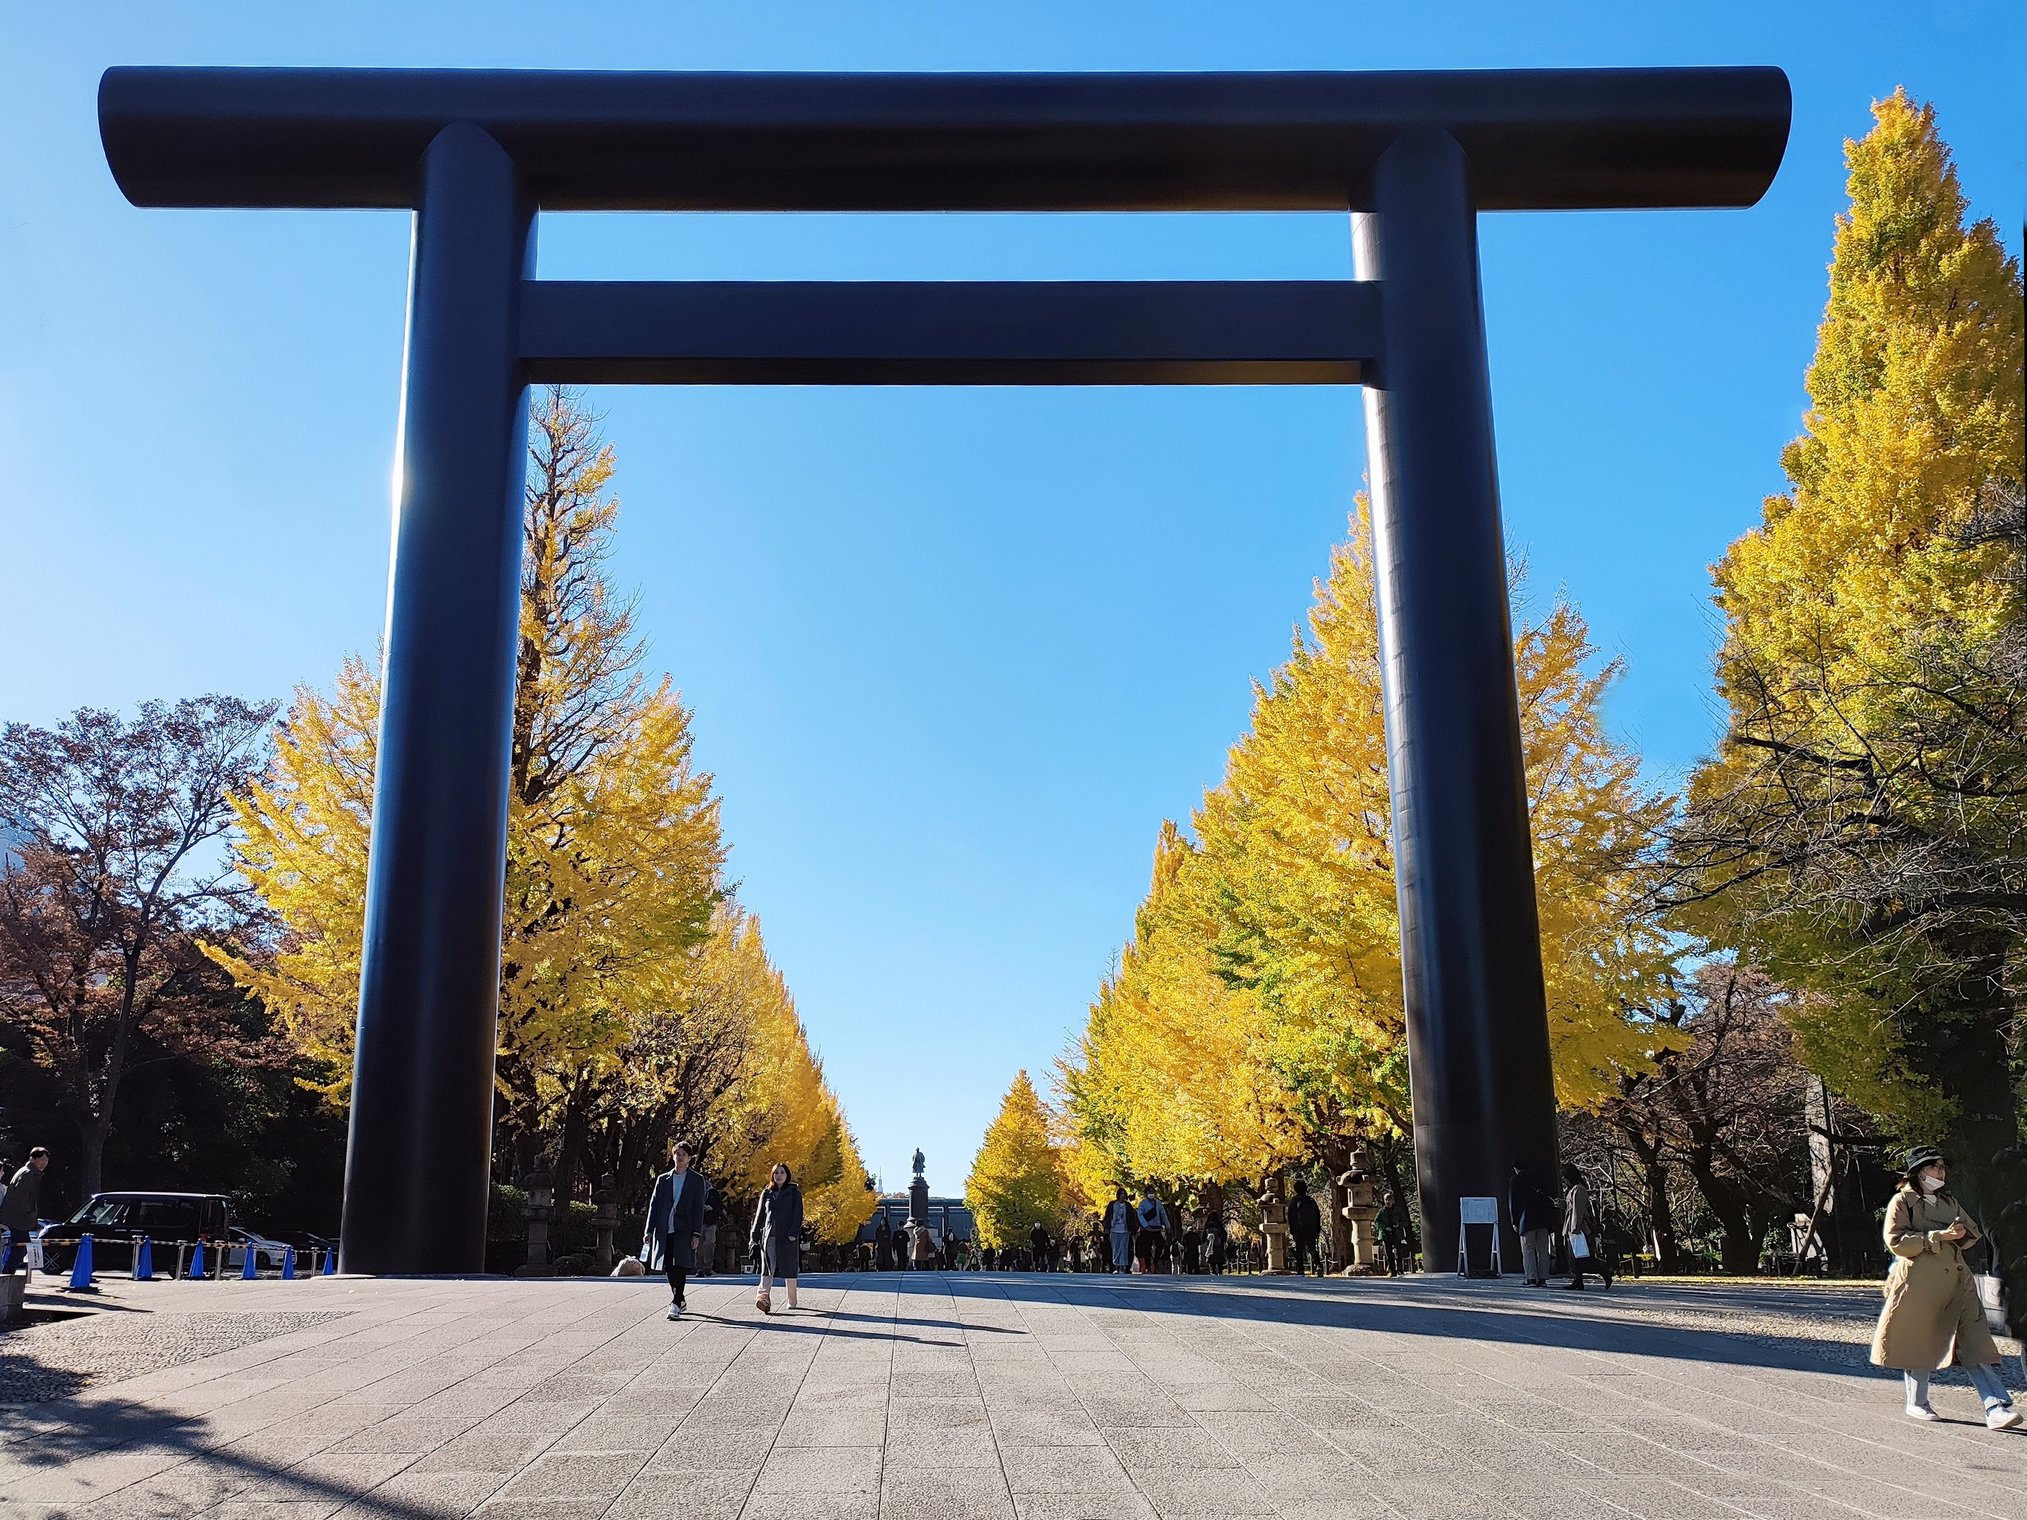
x=2002 y=1417
x=675 y=1311
x=1922 y=1412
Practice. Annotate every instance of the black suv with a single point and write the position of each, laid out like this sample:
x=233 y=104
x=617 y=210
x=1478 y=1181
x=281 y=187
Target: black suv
x=117 y=1221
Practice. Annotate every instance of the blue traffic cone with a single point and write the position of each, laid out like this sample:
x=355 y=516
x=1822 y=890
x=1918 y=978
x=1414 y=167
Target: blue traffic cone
x=80 y=1271
x=330 y=1261
x=288 y=1264
x=251 y=1270
x=197 y=1260
x=144 y=1261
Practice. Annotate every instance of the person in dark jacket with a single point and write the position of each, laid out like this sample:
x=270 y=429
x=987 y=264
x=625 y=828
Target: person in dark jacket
x=675 y=1224
x=1533 y=1214
x=21 y=1209
x=714 y=1216
x=1119 y=1230
x=1305 y=1228
x=1039 y=1243
x=777 y=1236
x=1580 y=1229
x=1214 y=1242
x=883 y=1245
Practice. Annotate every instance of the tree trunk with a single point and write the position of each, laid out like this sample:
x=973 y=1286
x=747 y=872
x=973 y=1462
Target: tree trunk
x=1739 y=1250
x=1962 y=1048
x=92 y=1134
x=1661 y=1216
x=1336 y=1158
x=576 y=1131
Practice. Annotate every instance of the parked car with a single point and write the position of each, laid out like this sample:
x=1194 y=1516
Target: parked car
x=117 y=1221
x=268 y=1253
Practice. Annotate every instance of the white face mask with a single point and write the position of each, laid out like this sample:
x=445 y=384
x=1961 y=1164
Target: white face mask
x=1931 y=1184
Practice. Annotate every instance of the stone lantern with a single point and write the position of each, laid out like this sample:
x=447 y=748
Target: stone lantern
x=605 y=1198
x=1361 y=1207
x=539 y=1207
x=1274 y=1225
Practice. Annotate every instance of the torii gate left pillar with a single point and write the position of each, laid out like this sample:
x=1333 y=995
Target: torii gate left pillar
x=1414 y=157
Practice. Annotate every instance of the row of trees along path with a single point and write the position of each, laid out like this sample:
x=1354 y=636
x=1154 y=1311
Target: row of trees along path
x=1821 y=936
x=183 y=853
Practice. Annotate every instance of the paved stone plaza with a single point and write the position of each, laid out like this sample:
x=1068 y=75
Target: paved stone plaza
x=926 y=1396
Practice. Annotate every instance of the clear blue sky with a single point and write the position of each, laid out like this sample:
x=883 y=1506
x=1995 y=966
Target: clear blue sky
x=954 y=655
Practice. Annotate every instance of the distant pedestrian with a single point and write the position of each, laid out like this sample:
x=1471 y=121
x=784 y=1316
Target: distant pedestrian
x=1119 y=1230
x=1580 y=1230
x=21 y=1209
x=883 y=1245
x=714 y=1216
x=923 y=1248
x=675 y=1224
x=777 y=1237
x=1150 y=1221
x=1932 y=1317
x=1386 y=1245
x=1214 y=1242
x=1305 y=1228
x=1533 y=1214
x=1038 y=1241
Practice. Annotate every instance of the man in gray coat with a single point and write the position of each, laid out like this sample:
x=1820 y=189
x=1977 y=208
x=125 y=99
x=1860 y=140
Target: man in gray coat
x=21 y=1210
x=675 y=1224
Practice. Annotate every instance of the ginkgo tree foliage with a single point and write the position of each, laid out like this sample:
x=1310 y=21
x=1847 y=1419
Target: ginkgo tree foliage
x=1859 y=830
x=1017 y=1179
x=1255 y=1017
x=636 y=1001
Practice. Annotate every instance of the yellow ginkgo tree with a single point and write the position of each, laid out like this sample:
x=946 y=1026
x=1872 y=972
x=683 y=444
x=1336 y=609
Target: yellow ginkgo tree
x=1255 y=1018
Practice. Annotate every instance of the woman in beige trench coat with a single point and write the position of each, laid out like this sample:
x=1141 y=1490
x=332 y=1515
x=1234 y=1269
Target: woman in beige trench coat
x=1932 y=1316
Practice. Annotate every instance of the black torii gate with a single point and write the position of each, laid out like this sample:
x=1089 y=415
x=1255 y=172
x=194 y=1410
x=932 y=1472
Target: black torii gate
x=1412 y=157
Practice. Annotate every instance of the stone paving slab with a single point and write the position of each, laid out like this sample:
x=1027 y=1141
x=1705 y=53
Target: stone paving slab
x=925 y=1396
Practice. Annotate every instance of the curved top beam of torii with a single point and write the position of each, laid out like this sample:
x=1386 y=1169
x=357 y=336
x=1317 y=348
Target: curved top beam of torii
x=1542 y=139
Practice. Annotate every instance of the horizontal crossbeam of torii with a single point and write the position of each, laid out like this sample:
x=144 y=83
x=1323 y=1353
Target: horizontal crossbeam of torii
x=1412 y=157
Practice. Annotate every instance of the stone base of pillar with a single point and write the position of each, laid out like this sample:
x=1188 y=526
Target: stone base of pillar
x=1277 y=1249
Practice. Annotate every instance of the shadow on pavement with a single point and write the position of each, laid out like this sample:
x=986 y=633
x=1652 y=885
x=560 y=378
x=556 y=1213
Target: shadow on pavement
x=1407 y=1306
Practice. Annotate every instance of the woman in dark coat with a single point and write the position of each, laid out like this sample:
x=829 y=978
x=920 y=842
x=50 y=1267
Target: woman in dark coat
x=777 y=1236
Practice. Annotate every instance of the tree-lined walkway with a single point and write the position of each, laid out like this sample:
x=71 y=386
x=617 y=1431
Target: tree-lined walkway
x=972 y=1397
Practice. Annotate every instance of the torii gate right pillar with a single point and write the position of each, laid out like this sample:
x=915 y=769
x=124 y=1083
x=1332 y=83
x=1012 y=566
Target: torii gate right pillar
x=1478 y=1058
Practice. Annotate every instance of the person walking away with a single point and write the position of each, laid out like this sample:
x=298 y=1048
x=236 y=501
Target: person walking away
x=1119 y=1230
x=1214 y=1242
x=714 y=1216
x=1932 y=1317
x=883 y=1245
x=1579 y=1228
x=21 y=1209
x=924 y=1247
x=777 y=1237
x=675 y=1224
x=1148 y=1221
x=1533 y=1215
x=1305 y=1228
